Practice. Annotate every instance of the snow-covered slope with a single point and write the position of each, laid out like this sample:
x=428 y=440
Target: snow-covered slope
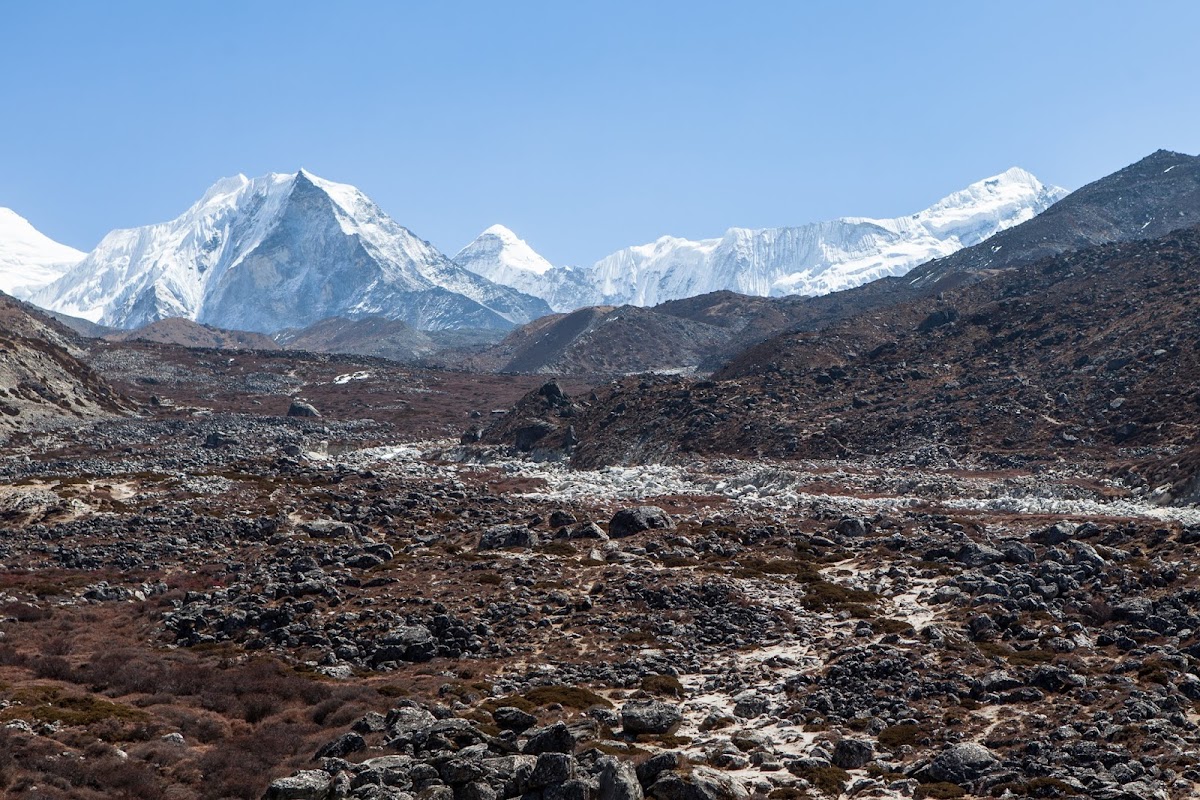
x=810 y=259
x=501 y=256
x=280 y=251
x=28 y=258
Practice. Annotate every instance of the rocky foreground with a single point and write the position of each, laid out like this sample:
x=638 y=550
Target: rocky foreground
x=209 y=604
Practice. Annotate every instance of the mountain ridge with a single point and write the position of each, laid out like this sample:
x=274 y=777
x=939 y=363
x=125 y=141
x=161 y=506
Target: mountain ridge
x=302 y=247
x=812 y=259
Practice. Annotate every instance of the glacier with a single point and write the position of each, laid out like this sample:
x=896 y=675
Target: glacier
x=812 y=259
x=29 y=259
x=283 y=250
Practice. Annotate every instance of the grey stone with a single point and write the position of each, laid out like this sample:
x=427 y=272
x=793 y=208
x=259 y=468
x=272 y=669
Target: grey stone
x=553 y=739
x=649 y=716
x=552 y=769
x=513 y=719
x=629 y=521
x=961 y=763
x=618 y=780
x=309 y=784
x=299 y=408
x=852 y=753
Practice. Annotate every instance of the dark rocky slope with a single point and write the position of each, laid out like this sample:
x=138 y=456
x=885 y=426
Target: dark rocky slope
x=1090 y=353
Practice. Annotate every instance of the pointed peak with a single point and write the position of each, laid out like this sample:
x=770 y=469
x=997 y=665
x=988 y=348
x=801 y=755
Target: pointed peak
x=501 y=232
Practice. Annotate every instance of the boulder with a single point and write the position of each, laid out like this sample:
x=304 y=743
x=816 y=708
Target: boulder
x=311 y=784
x=629 y=521
x=649 y=716
x=961 y=763
x=501 y=536
x=702 y=783
x=555 y=738
x=852 y=753
x=552 y=769
x=618 y=780
x=414 y=643
x=513 y=719
x=342 y=746
x=299 y=408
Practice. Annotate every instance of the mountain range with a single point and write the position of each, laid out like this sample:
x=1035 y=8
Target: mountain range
x=279 y=251
x=285 y=251
x=1152 y=197
x=812 y=259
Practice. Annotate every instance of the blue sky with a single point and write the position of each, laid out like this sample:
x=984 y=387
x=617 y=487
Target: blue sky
x=583 y=126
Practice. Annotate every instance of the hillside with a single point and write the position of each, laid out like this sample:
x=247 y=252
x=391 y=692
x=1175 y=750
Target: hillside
x=1085 y=355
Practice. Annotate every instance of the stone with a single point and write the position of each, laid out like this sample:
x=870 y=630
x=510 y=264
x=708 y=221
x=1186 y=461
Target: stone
x=629 y=521
x=649 y=770
x=413 y=643
x=961 y=763
x=702 y=783
x=852 y=753
x=855 y=527
x=299 y=408
x=649 y=716
x=311 y=784
x=501 y=536
x=552 y=769
x=342 y=746
x=555 y=738
x=618 y=780
x=508 y=718
x=750 y=704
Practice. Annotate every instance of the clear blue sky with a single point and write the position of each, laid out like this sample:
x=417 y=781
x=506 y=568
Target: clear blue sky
x=585 y=127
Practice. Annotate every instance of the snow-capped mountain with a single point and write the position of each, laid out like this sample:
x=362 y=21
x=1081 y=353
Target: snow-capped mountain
x=501 y=256
x=280 y=251
x=28 y=258
x=810 y=259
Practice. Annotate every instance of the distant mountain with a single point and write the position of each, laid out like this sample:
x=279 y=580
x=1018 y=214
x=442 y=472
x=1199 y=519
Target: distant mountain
x=810 y=259
x=1157 y=195
x=28 y=258
x=186 y=333
x=280 y=251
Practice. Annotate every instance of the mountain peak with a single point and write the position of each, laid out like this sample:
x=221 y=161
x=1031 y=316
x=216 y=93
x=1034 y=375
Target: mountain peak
x=500 y=255
x=259 y=255
x=501 y=232
x=28 y=258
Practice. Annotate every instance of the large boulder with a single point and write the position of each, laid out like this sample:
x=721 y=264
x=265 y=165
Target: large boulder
x=311 y=784
x=852 y=753
x=961 y=763
x=649 y=716
x=552 y=769
x=413 y=643
x=618 y=780
x=501 y=536
x=299 y=408
x=509 y=718
x=556 y=738
x=629 y=521
x=701 y=783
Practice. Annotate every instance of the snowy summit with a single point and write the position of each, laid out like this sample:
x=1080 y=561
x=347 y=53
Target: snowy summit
x=28 y=258
x=812 y=259
x=280 y=251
